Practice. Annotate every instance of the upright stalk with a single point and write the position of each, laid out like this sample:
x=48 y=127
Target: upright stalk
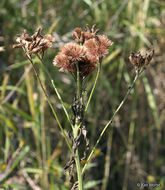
x=44 y=179
x=92 y=91
x=77 y=161
x=75 y=132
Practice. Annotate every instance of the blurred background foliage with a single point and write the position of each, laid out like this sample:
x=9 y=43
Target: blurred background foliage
x=32 y=149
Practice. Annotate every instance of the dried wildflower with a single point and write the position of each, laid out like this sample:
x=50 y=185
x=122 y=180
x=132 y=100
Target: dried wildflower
x=93 y=47
x=81 y=36
x=138 y=60
x=34 y=44
x=72 y=54
x=98 y=48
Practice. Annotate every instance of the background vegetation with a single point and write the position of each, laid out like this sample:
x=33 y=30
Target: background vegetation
x=32 y=150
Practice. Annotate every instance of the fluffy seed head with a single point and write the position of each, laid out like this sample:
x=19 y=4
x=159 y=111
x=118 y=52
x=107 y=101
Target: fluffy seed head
x=72 y=54
x=91 y=50
x=98 y=47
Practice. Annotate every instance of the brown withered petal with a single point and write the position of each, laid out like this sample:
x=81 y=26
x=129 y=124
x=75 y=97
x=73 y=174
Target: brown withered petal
x=132 y=58
x=81 y=36
x=104 y=44
x=77 y=32
x=92 y=30
x=149 y=57
x=17 y=46
x=88 y=35
x=78 y=35
x=49 y=37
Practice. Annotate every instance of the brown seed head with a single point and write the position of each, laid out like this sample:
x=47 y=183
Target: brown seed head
x=34 y=44
x=138 y=60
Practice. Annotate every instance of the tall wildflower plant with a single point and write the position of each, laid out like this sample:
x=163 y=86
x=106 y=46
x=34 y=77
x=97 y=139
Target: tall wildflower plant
x=80 y=58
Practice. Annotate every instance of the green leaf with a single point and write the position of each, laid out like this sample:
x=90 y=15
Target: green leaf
x=9 y=123
x=10 y=87
x=20 y=64
x=19 y=157
x=88 y=2
x=33 y=170
x=16 y=186
x=18 y=111
x=91 y=184
x=151 y=101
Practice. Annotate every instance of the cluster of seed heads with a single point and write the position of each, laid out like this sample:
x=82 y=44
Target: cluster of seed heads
x=34 y=44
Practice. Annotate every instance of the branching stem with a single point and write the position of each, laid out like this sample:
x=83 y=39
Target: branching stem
x=110 y=121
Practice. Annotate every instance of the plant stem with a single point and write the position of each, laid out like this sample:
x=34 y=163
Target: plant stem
x=56 y=91
x=44 y=178
x=75 y=132
x=110 y=121
x=78 y=83
x=47 y=98
x=92 y=91
x=94 y=86
x=77 y=160
x=62 y=103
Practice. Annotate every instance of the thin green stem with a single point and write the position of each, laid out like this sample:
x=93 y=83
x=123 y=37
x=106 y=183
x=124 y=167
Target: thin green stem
x=47 y=98
x=75 y=132
x=78 y=83
x=94 y=86
x=110 y=121
x=58 y=94
x=62 y=103
x=44 y=178
x=77 y=160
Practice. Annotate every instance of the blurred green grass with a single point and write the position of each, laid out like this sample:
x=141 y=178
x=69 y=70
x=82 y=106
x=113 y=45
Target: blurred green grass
x=31 y=146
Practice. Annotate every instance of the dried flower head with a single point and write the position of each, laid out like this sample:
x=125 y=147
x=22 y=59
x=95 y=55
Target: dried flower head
x=138 y=60
x=81 y=36
x=34 y=44
x=90 y=51
x=72 y=54
x=98 y=47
